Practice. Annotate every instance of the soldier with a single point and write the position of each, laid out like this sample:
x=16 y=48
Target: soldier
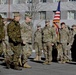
x=49 y=38
x=73 y=42
x=2 y=35
x=26 y=33
x=64 y=41
x=15 y=41
x=38 y=43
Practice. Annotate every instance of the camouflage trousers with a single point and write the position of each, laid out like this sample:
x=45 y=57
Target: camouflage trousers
x=38 y=48
x=17 y=51
x=62 y=52
x=1 y=48
x=26 y=53
x=47 y=48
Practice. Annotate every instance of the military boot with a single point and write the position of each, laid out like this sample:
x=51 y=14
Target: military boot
x=45 y=62
x=7 y=64
x=36 y=58
x=39 y=58
x=26 y=65
x=17 y=68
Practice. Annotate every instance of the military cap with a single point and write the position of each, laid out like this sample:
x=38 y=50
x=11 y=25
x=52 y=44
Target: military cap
x=16 y=14
x=38 y=25
x=73 y=25
x=62 y=23
x=47 y=21
x=28 y=15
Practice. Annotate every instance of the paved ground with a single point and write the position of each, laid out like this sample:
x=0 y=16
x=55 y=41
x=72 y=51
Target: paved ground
x=39 y=69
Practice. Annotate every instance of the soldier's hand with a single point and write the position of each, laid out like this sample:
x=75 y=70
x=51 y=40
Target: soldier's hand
x=52 y=44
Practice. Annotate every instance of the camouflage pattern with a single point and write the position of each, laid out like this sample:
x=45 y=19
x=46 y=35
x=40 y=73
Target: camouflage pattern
x=49 y=37
x=38 y=42
x=2 y=35
x=26 y=33
x=15 y=40
x=64 y=40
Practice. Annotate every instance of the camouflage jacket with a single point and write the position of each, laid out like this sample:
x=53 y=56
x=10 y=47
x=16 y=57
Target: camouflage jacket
x=49 y=34
x=38 y=36
x=2 y=31
x=64 y=35
x=26 y=32
x=14 y=33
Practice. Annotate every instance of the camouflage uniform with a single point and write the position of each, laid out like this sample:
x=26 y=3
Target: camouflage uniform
x=15 y=41
x=2 y=35
x=49 y=37
x=26 y=33
x=64 y=40
x=38 y=44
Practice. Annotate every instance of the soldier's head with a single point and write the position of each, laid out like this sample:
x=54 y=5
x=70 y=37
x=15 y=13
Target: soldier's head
x=73 y=27
x=17 y=16
x=47 y=23
x=28 y=18
x=63 y=25
x=38 y=27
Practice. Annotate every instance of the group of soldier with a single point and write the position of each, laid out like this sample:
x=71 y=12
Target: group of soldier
x=16 y=41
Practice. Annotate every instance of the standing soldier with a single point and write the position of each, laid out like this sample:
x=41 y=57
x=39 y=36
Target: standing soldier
x=2 y=35
x=26 y=33
x=15 y=41
x=38 y=43
x=49 y=38
x=64 y=41
x=73 y=42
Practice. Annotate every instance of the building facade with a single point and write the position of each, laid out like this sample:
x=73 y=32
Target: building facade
x=40 y=9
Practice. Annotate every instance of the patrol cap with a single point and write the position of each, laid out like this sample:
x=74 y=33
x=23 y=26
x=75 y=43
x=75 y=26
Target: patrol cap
x=16 y=14
x=47 y=21
x=38 y=25
x=62 y=23
x=28 y=15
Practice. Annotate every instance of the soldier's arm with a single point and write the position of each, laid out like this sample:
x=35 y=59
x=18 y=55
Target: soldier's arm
x=53 y=35
x=10 y=31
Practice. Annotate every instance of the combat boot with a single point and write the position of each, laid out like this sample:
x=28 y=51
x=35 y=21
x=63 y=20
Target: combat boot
x=39 y=58
x=45 y=63
x=17 y=68
x=26 y=65
x=36 y=58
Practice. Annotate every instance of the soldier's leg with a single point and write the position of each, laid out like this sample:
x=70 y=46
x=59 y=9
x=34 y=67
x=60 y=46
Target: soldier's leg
x=49 y=44
x=40 y=51
x=60 y=53
x=1 y=48
x=26 y=54
x=37 y=52
x=45 y=53
x=17 y=52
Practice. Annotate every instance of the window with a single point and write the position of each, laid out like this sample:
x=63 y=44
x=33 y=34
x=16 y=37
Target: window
x=71 y=15
x=16 y=1
x=3 y=1
x=43 y=1
x=43 y=15
x=4 y=15
x=72 y=0
x=55 y=0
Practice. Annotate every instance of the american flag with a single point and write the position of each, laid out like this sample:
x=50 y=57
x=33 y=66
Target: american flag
x=57 y=16
x=57 y=13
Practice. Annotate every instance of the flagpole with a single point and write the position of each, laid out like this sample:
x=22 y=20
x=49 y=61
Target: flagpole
x=8 y=8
